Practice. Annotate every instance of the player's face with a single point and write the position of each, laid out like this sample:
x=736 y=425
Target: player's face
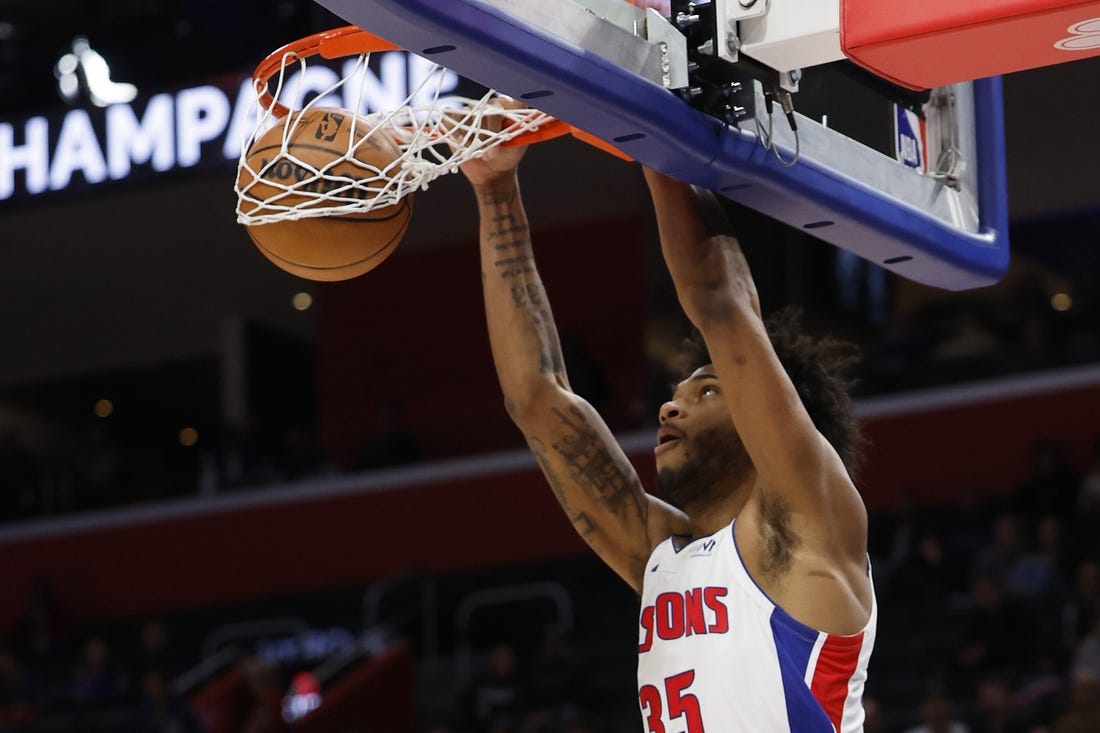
x=697 y=445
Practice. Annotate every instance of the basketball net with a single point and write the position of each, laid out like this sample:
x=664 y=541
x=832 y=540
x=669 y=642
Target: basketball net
x=435 y=137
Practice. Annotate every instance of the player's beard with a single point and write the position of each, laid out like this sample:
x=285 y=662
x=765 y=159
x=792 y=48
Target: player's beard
x=710 y=459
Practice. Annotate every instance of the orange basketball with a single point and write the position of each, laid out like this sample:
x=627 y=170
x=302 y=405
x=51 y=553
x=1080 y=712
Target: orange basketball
x=336 y=247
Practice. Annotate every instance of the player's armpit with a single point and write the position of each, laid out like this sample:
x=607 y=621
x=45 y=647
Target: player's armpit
x=596 y=484
x=791 y=456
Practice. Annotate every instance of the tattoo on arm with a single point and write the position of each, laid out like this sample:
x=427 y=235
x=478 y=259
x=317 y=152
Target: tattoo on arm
x=592 y=467
x=492 y=198
x=586 y=527
x=581 y=521
x=539 y=449
x=516 y=266
x=527 y=295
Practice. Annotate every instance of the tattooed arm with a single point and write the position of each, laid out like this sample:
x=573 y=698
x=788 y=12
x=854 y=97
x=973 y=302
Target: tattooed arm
x=588 y=471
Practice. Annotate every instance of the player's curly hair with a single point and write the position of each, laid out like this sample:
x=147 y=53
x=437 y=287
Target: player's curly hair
x=819 y=369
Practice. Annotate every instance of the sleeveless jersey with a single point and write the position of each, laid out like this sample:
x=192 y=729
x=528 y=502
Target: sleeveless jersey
x=715 y=654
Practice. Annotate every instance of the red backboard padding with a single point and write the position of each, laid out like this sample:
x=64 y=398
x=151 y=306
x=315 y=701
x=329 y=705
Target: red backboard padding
x=922 y=44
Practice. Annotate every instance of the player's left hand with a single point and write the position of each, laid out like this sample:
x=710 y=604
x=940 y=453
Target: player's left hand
x=500 y=161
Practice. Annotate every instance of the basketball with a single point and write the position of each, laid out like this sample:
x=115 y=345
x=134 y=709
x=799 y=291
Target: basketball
x=336 y=247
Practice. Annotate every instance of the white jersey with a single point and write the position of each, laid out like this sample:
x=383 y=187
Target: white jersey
x=716 y=655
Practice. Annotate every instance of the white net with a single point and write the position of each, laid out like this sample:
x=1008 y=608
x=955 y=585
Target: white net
x=434 y=133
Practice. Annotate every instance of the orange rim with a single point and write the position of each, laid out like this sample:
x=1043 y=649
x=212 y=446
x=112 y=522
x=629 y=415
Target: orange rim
x=351 y=40
x=333 y=44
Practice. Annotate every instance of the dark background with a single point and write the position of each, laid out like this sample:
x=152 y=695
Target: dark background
x=151 y=295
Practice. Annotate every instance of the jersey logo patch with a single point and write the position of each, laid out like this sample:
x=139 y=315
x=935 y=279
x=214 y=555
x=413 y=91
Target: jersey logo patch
x=704 y=549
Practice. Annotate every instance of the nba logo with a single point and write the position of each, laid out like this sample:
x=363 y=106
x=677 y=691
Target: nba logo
x=909 y=137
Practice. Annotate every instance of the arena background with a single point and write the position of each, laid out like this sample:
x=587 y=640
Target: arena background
x=354 y=504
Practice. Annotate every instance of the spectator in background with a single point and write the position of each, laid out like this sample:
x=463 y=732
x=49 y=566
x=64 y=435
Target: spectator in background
x=1088 y=495
x=1080 y=613
x=994 y=711
x=265 y=713
x=872 y=716
x=99 y=470
x=1037 y=576
x=997 y=635
x=95 y=680
x=969 y=531
x=937 y=714
x=1040 y=696
x=892 y=535
x=42 y=637
x=21 y=693
x=495 y=700
x=20 y=476
x=1083 y=715
x=242 y=457
x=394 y=443
x=1087 y=654
x=580 y=725
x=299 y=457
x=1001 y=558
x=155 y=653
x=968 y=339
x=1052 y=486
x=926 y=575
x=161 y=711
x=558 y=691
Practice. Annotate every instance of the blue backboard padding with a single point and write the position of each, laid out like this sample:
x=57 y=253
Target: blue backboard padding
x=659 y=130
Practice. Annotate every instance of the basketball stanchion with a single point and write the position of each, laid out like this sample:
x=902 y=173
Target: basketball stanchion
x=326 y=193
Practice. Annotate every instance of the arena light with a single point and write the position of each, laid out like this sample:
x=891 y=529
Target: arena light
x=102 y=90
x=1061 y=302
x=302 y=301
x=68 y=83
x=303 y=698
x=188 y=437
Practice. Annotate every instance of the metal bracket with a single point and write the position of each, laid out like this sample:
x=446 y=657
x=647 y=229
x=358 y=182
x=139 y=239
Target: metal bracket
x=944 y=141
x=673 y=47
x=660 y=46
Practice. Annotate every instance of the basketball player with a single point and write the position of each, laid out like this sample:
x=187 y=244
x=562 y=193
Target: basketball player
x=757 y=607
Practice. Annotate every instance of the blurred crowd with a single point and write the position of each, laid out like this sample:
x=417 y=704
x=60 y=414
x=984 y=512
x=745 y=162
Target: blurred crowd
x=989 y=610
x=989 y=623
x=51 y=666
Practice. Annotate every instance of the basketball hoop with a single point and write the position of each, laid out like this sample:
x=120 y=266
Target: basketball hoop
x=434 y=137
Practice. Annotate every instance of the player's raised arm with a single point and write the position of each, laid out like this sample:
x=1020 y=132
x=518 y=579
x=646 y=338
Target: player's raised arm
x=794 y=462
x=588 y=471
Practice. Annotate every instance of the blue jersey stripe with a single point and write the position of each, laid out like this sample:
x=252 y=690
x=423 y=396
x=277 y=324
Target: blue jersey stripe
x=794 y=642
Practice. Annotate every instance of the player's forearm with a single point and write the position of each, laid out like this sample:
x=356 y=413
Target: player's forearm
x=524 y=338
x=703 y=257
